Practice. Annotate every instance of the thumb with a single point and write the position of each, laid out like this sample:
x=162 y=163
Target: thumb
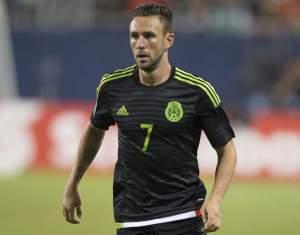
x=204 y=214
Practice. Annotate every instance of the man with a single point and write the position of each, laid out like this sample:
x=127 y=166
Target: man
x=160 y=111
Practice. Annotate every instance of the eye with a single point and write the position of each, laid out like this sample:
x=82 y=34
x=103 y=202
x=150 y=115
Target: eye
x=149 y=35
x=134 y=35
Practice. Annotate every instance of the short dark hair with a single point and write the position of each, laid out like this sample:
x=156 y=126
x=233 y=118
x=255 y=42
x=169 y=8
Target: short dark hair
x=165 y=14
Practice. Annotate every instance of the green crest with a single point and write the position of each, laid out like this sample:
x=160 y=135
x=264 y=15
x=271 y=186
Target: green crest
x=174 y=111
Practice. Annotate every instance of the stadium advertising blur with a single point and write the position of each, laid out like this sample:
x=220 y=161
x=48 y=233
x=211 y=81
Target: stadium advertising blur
x=46 y=135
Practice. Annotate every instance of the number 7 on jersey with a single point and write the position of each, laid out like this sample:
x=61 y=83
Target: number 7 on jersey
x=149 y=128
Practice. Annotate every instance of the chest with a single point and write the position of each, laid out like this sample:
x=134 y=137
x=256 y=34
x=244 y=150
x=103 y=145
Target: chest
x=166 y=108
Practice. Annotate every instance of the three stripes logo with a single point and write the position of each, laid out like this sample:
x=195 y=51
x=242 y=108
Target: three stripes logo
x=122 y=111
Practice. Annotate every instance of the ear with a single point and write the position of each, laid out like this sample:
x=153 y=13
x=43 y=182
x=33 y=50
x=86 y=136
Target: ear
x=169 y=40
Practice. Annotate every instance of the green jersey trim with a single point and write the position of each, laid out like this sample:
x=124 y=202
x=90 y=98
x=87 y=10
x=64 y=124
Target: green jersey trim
x=117 y=74
x=199 y=82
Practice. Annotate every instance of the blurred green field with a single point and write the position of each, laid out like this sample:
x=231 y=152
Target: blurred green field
x=31 y=205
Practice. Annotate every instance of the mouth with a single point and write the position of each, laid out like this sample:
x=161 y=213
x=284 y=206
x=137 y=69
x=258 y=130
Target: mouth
x=141 y=56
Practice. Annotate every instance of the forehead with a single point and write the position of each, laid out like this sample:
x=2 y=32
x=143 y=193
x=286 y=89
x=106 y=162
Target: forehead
x=146 y=23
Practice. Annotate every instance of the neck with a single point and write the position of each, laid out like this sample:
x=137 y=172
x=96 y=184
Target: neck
x=157 y=76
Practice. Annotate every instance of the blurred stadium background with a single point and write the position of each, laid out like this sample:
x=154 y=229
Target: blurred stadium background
x=52 y=54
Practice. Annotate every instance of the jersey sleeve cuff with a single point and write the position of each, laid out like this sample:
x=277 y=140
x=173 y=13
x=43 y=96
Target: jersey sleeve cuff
x=222 y=137
x=100 y=126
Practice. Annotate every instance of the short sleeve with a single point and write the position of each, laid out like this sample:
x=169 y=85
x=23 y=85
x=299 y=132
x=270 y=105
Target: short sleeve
x=215 y=123
x=101 y=116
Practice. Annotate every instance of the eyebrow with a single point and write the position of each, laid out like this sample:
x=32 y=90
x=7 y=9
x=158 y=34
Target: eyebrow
x=143 y=33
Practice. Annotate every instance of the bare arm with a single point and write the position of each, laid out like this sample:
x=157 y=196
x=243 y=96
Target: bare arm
x=89 y=145
x=223 y=176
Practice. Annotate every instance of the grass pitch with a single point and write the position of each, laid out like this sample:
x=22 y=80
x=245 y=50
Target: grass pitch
x=31 y=205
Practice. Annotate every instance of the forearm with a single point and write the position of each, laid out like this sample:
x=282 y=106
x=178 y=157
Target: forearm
x=89 y=145
x=224 y=171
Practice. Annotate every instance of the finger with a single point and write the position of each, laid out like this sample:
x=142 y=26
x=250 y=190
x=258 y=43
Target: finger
x=67 y=217
x=204 y=215
x=71 y=219
x=212 y=225
x=211 y=230
x=78 y=211
x=64 y=212
x=70 y=216
x=210 y=222
x=208 y=227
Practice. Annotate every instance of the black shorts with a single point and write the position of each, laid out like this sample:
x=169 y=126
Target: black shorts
x=193 y=226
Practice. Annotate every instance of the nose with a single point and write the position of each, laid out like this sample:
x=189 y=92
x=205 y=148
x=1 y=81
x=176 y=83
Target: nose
x=141 y=43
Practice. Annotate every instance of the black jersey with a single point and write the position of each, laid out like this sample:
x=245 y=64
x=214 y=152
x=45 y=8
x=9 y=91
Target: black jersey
x=156 y=174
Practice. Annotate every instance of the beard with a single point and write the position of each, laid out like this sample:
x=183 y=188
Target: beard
x=150 y=65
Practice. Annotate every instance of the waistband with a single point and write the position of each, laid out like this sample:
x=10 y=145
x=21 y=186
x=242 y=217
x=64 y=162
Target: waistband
x=182 y=216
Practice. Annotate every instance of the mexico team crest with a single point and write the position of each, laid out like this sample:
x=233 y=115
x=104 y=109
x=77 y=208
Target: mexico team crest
x=174 y=111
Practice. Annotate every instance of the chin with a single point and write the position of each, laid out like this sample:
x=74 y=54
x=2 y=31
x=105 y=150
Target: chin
x=146 y=66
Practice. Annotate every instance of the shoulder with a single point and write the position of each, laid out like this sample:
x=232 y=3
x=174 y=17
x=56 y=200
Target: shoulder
x=116 y=75
x=198 y=83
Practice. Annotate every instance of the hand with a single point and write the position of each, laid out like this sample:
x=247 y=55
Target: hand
x=71 y=202
x=211 y=212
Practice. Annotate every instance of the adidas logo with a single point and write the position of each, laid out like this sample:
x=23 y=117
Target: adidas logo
x=122 y=111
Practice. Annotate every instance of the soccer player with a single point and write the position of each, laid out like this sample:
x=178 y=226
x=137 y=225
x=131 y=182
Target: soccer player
x=160 y=111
